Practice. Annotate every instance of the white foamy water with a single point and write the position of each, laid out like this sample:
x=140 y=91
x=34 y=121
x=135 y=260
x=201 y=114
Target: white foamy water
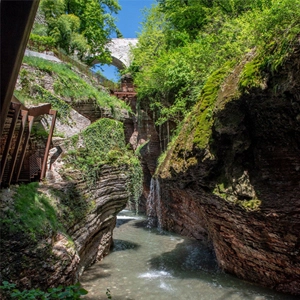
x=155 y=274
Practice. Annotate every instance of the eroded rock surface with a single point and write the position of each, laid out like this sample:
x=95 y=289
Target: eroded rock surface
x=243 y=190
x=59 y=258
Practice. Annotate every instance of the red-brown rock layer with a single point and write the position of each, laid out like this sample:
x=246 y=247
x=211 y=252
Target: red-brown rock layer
x=244 y=191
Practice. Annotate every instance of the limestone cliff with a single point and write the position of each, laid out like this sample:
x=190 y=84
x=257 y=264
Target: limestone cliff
x=86 y=217
x=232 y=176
x=52 y=231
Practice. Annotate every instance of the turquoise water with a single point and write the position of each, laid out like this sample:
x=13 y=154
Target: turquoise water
x=148 y=264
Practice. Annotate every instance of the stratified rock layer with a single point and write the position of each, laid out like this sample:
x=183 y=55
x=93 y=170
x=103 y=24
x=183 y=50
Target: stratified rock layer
x=243 y=192
x=59 y=258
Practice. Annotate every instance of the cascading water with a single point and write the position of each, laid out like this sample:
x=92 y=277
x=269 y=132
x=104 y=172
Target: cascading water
x=158 y=204
x=153 y=205
x=150 y=206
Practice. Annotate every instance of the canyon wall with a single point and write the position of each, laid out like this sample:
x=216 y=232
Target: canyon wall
x=88 y=214
x=51 y=231
x=232 y=177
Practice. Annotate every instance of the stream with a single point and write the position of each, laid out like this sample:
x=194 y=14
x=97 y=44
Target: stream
x=147 y=263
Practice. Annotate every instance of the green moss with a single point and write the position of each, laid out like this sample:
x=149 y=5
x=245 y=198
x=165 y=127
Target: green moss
x=103 y=142
x=72 y=205
x=203 y=120
x=251 y=75
x=250 y=205
x=196 y=129
x=140 y=147
x=223 y=191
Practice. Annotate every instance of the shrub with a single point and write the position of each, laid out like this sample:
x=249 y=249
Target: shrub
x=71 y=292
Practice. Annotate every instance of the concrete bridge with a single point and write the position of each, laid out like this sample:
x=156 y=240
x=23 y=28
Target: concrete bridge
x=120 y=51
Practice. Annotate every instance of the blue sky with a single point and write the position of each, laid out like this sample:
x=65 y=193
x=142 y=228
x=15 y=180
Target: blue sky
x=129 y=21
x=130 y=16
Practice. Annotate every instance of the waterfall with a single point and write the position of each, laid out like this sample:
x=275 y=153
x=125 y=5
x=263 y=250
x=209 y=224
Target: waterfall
x=153 y=205
x=158 y=204
x=150 y=205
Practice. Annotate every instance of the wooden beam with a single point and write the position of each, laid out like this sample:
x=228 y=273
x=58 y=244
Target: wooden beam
x=125 y=93
x=24 y=114
x=16 y=19
x=44 y=165
x=23 y=151
x=16 y=107
x=39 y=110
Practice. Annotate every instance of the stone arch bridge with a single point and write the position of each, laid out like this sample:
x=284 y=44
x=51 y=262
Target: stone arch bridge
x=120 y=51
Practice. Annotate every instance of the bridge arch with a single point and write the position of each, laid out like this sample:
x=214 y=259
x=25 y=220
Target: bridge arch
x=120 y=51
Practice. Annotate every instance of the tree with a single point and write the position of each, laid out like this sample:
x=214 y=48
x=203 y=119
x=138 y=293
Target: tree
x=81 y=26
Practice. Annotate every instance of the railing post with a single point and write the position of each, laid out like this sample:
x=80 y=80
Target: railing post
x=16 y=108
x=23 y=152
x=18 y=143
x=44 y=165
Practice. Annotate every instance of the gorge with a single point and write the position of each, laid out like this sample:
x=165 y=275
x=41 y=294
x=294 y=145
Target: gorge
x=213 y=157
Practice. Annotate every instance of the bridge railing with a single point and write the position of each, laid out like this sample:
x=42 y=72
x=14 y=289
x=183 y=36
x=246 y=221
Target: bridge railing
x=85 y=70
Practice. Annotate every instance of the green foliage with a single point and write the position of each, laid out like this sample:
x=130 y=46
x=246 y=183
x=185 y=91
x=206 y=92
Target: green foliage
x=68 y=86
x=81 y=27
x=24 y=81
x=171 y=75
x=43 y=95
x=41 y=43
x=103 y=142
x=33 y=212
x=71 y=205
x=38 y=131
x=275 y=30
x=188 y=47
x=71 y=292
x=108 y=294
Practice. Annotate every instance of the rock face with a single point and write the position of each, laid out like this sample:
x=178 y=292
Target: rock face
x=83 y=210
x=93 y=236
x=243 y=190
x=60 y=258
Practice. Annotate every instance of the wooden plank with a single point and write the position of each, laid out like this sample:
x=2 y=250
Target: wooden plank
x=39 y=110
x=16 y=107
x=23 y=151
x=24 y=114
x=44 y=165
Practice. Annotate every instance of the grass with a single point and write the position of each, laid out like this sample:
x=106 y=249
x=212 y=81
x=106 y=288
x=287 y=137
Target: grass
x=68 y=85
x=33 y=212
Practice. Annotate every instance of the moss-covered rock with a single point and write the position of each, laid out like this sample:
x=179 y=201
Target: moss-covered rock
x=243 y=183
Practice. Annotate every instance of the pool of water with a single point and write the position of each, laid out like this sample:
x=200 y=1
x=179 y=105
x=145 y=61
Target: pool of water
x=148 y=264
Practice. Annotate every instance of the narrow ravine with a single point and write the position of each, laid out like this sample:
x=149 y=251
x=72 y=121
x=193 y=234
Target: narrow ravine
x=152 y=264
